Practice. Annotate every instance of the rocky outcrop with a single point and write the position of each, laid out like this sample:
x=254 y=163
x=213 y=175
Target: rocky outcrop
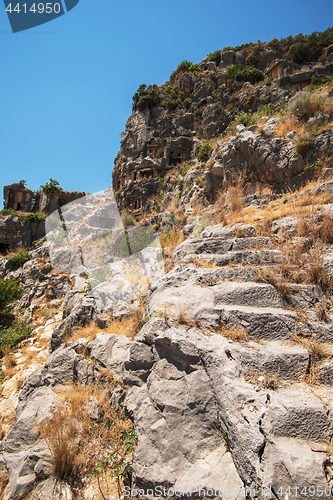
x=159 y=138
x=15 y=233
x=50 y=202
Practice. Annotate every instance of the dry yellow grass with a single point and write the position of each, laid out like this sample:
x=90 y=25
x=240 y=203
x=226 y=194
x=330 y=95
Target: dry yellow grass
x=169 y=241
x=172 y=205
x=296 y=206
x=9 y=367
x=232 y=332
x=129 y=326
x=205 y=263
x=4 y=479
x=318 y=352
x=288 y=124
x=88 y=332
x=181 y=317
x=76 y=441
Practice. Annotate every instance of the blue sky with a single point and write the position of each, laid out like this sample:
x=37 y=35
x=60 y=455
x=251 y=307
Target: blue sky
x=67 y=86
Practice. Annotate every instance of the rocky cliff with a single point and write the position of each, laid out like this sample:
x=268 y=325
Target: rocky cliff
x=176 y=124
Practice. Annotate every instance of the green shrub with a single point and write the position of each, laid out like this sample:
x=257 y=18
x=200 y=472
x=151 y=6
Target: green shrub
x=32 y=217
x=203 y=153
x=237 y=47
x=318 y=80
x=51 y=187
x=183 y=170
x=244 y=73
x=146 y=97
x=160 y=153
x=7 y=211
x=218 y=95
x=303 y=105
x=250 y=74
x=172 y=104
x=187 y=67
x=173 y=90
x=303 y=144
x=248 y=118
x=214 y=56
x=232 y=70
x=19 y=258
x=198 y=114
x=12 y=335
x=9 y=291
x=155 y=227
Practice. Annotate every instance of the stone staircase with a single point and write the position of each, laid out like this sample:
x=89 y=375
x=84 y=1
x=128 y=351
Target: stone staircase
x=215 y=284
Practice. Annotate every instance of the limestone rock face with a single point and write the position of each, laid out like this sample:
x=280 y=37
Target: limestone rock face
x=270 y=160
x=48 y=203
x=15 y=233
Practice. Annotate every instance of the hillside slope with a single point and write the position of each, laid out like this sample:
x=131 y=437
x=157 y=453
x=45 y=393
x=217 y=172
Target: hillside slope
x=185 y=347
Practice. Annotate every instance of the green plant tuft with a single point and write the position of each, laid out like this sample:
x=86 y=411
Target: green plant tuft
x=51 y=187
x=146 y=97
x=187 y=67
x=18 y=259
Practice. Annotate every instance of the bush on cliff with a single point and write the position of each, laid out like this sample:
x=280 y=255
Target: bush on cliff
x=146 y=97
x=203 y=153
x=12 y=329
x=51 y=187
x=32 y=217
x=19 y=258
x=187 y=67
x=214 y=56
x=7 y=211
x=9 y=291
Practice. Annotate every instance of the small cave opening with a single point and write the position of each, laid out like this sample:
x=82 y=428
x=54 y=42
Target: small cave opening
x=4 y=248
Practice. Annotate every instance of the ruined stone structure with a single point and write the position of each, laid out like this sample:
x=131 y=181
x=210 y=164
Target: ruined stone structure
x=18 y=197
x=139 y=177
x=284 y=72
x=15 y=233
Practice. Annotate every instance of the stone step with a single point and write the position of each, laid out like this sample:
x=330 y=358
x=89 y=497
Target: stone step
x=249 y=257
x=267 y=323
x=278 y=360
x=247 y=294
x=219 y=245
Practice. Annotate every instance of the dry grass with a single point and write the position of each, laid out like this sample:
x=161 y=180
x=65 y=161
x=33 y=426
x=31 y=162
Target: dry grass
x=263 y=381
x=172 y=205
x=2 y=431
x=9 y=367
x=181 y=318
x=129 y=326
x=88 y=332
x=288 y=124
x=75 y=440
x=181 y=216
x=235 y=195
x=317 y=351
x=4 y=479
x=232 y=332
x=315 y=269
x=205 y=263
x=169 y=241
